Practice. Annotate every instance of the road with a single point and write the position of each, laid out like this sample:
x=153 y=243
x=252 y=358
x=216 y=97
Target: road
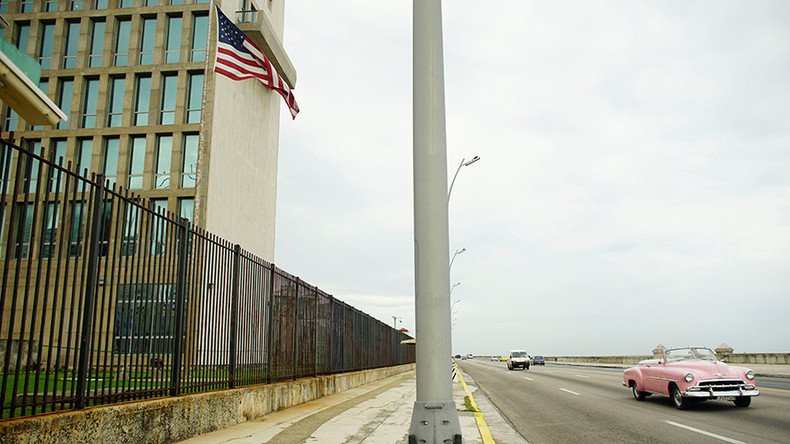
x=558 y=404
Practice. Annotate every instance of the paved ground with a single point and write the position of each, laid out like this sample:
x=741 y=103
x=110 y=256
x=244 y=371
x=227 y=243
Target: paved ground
x=380 y=412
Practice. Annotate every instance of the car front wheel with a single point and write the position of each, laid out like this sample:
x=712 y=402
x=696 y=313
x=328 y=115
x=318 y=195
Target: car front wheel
x=639 y=396
x=681 y=403
x=743 y=401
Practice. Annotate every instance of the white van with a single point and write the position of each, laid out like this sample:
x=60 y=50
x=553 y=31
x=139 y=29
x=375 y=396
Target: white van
x=518 y=358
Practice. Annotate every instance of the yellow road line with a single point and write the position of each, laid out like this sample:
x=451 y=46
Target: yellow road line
x=482 y=426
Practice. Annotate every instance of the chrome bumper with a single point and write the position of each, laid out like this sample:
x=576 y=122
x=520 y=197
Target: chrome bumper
x=708 y=392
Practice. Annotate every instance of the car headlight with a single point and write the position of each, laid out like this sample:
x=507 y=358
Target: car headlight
x=750 y=375
x=689 y=377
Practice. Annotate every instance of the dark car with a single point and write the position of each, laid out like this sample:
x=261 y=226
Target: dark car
x=538 y=360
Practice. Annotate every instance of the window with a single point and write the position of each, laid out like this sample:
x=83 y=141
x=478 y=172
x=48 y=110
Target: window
x=151 y=2
x=100 y=4
x=144 y=319
x=194 y=98
x=24 y=228
x=189 y=161
x=45 y=48
x=22 y=36
x=176 y=2
x=142 y=100
x=11 y=120
x=168 y=109
x=78 y=217
x=59 y=147
x=115 y=111
x=97 y=43
x=173 y=48
x=26 y=6
x=158 y=227
x=148 y=41
x=72 y=43
x=136 y=162
x=111 y=146
x=49 y=234
x=91 y=95
x=128 y=242
x=77 y=5
x=199 y=35
x=84 y=155
x=51 y=5
x=106 y=226
x=186 y=208
x=164 y=154
x=123 y=31
x=126 y=3
x=64 y=101
x=43 y=85
x=3 y=7
x=30 y=183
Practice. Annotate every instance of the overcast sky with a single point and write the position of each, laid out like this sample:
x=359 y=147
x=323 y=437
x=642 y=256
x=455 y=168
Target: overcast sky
x=634 y=181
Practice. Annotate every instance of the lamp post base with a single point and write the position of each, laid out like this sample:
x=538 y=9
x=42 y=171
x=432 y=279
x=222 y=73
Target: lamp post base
x=435 y=423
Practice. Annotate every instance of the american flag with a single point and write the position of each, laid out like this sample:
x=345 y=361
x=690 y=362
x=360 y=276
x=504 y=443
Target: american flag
x=240 y=58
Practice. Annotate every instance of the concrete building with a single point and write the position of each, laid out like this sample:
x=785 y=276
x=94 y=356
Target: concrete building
x=144 y=108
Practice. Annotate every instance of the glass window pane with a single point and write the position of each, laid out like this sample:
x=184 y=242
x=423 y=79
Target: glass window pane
x=189 y=162
x=84 y=155
x=78 y=217
x=22 y=37
x=11 y=120
x=136 y=162
x=199 y=34
x=126 y=3
x=111 y=145
x=45 y=50
x=97 y=44
x=164 y=154
x=142 y=100
x=77 y=5
x=173 y=48
x=24 y=230
x=43 y=85
x=123 y=30
x=194 y=98
x=72 y=43
x=60 y=156
x=100 y=4
x=186 y=208
x=50 y=229
x=64 y=101
x=168 y=110
x=115 y=112
x=147 y=41
x=159 y=229
x=91 y=95
x=51 y=5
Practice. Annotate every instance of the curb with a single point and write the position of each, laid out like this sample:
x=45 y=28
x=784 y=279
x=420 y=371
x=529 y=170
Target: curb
x=482 y=426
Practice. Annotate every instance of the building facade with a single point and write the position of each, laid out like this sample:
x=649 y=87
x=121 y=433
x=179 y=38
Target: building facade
x=145 y=109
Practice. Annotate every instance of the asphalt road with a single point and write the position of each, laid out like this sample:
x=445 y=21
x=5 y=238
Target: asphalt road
x=558 y=404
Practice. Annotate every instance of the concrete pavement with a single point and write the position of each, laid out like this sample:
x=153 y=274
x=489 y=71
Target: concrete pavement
x=378 y=412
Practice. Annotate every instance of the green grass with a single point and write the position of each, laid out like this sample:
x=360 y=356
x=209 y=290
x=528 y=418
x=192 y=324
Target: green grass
x=468 y=404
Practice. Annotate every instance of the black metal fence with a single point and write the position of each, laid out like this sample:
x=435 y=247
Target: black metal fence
x=106 y=298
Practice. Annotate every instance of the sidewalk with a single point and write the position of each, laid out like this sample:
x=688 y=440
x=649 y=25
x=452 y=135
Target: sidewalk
x=378 y=412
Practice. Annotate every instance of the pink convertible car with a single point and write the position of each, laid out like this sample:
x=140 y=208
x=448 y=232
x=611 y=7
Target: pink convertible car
x=691 y=374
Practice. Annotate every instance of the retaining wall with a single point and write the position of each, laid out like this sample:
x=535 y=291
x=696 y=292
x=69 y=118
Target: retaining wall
x=732 y=358
x=167 y=420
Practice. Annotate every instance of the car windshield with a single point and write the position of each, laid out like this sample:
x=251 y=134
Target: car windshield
x=688 y=354
x=538 y=357
x=519 y=354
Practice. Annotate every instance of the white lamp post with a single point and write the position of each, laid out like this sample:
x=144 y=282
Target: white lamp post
x=464 y=163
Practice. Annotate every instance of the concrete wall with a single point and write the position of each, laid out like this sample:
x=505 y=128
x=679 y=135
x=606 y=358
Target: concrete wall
x=173 y=419
x=733 y=358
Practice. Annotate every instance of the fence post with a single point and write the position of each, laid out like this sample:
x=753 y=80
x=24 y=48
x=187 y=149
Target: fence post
x=90 y=292
x=296 y=328
x=315 y=332
x=270 y=328
x=234 y=315
x=181 y=295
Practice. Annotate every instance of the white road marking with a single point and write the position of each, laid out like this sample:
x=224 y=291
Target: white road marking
x=528 y=378
x=569 y=391
x=582 y=376
x=702 y=432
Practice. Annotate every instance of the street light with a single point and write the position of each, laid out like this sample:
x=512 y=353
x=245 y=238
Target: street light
x=453 y=287
x=395 y=320
x=454 y=302
x=464 y=163
x=457 y=252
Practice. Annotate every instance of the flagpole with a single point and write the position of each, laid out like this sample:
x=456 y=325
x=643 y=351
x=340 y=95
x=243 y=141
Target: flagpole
x=434 y=418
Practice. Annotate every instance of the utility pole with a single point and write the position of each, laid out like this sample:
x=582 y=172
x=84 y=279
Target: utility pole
x=434 y=419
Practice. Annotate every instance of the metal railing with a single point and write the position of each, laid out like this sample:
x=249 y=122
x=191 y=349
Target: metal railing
x=106 y=299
